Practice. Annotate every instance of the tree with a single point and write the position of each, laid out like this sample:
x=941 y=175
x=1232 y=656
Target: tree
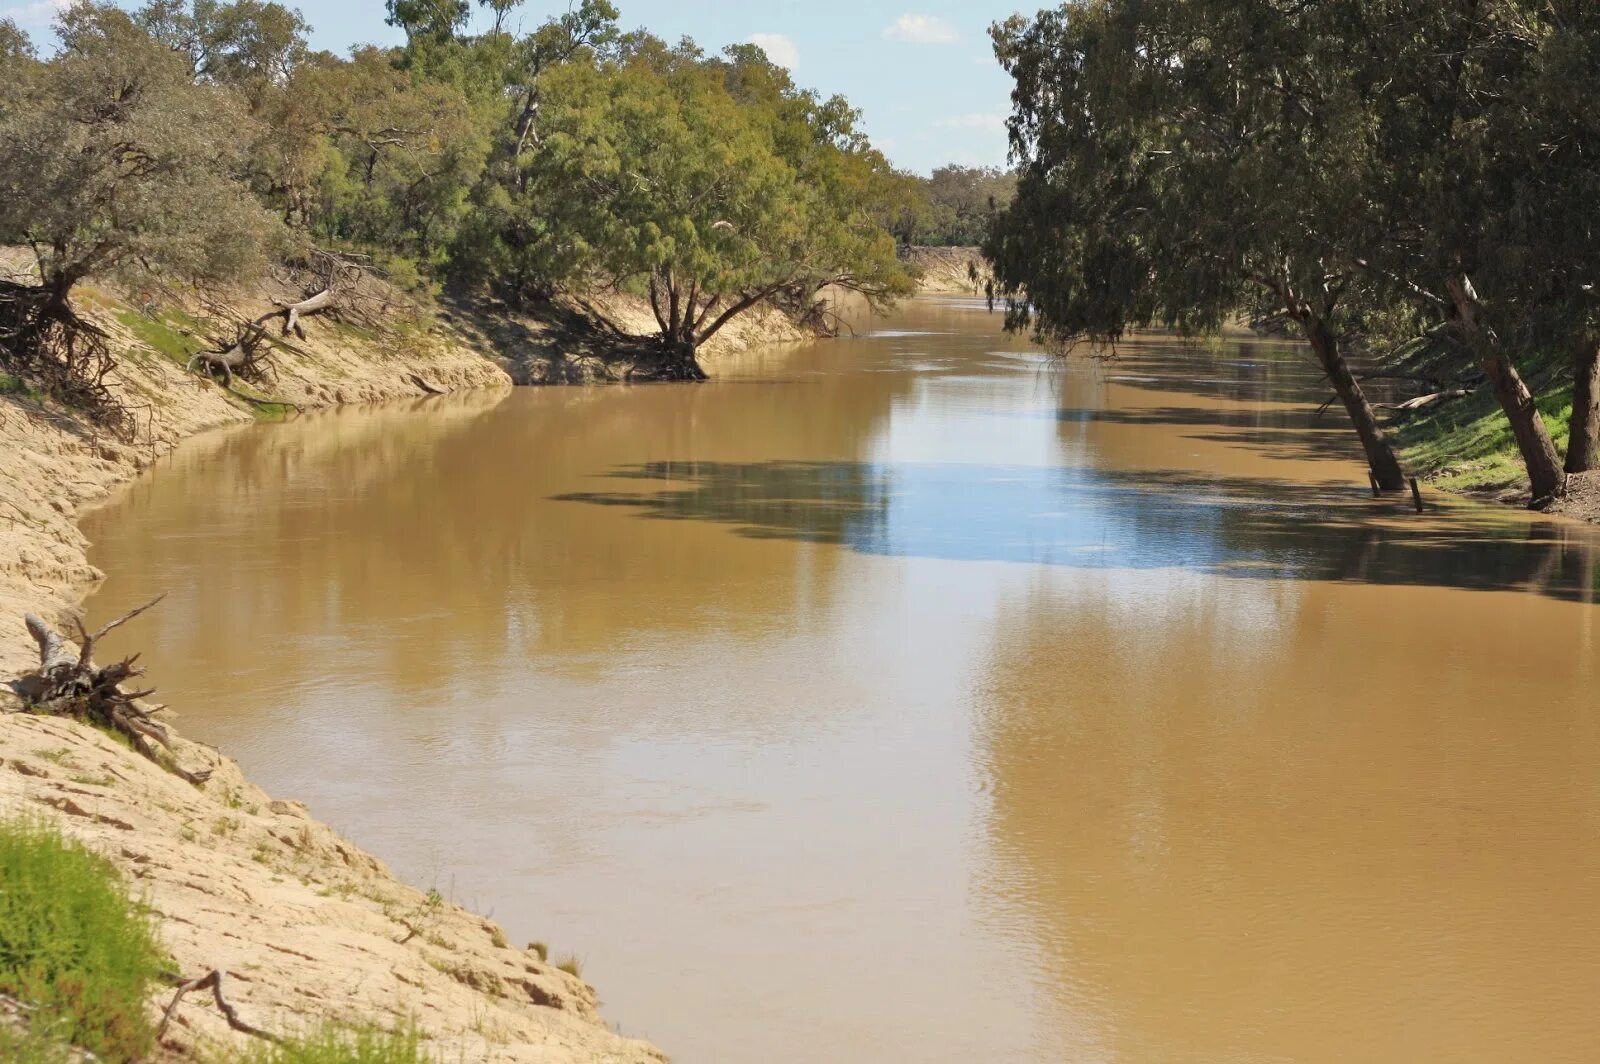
x=104 y=154
x=1181 y=161
x=710 y=186
x=962 y=201
x=438 y=20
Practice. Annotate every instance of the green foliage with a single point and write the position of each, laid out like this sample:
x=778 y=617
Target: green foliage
x=108 y=148
x=711 y=184
x=574 y=155
x=955 y=207
x=1371 y=170
x=73 y=944
x=333 y=1044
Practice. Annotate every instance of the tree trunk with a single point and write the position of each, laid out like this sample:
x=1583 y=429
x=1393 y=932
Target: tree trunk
x=1583 y=447
x=1546 y=478
x=1374 y=441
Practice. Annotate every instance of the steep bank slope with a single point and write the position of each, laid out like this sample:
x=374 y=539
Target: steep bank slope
x=949 y=271
x=311 y=927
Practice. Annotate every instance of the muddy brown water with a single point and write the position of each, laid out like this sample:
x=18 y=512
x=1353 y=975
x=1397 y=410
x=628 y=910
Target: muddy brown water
x=906 y=697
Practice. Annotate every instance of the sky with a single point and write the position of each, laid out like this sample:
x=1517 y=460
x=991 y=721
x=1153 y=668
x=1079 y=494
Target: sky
x=921 y=71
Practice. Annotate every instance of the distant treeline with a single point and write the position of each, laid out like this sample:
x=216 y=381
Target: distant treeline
x=198 y=140
x=1421 y=179
x=954 y=207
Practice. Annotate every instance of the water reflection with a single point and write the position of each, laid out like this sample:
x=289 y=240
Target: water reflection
x=1093 y=518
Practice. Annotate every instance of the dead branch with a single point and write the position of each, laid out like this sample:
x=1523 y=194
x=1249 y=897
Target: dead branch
x=68 y=684
x=292 y=312
x=212 y=981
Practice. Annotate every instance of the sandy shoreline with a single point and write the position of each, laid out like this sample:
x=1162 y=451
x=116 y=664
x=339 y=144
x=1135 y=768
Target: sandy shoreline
x=309 y=926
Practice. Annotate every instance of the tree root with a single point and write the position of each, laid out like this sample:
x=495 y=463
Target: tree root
x=212 y=981
x=70 y=685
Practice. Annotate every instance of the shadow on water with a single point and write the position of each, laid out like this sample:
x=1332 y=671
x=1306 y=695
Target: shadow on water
x=1097 y=519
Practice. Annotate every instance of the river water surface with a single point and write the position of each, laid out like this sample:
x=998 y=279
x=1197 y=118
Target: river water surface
x=912 y=698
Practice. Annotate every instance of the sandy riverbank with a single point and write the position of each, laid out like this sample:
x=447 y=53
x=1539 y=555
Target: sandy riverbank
x=310 y=927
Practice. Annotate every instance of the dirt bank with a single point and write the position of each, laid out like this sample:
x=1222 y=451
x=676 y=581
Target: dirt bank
x=310 y=927
x=949 y=271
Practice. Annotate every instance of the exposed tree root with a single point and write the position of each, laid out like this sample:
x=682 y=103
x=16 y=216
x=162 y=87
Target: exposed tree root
x=212 y=981
x=43 y=340
x=68 y=684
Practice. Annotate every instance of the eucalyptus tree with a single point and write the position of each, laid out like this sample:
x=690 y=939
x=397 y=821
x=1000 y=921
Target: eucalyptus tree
x=1183 y=160
x=1486 y=200
x=709 y=186
x=105 y=153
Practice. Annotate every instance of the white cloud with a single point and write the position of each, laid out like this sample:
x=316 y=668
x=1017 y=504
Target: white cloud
x=921 y=29
x=37 y=16
x=973 y=120
x=780 y=49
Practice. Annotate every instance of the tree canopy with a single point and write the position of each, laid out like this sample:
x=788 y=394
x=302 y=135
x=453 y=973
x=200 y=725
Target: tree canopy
x=575 y=156
x=1368 y=170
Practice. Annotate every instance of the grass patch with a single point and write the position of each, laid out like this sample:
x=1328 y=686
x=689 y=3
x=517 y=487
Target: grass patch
x=1467 y=445
x=541 y=949
x=343 y=1045
x=572 y=964
x=11 y=384
x=74 y=944
x=168 y=335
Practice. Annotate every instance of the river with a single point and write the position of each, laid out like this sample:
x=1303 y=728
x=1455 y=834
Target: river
x=915 y=697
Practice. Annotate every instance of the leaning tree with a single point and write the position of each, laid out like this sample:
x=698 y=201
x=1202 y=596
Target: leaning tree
x=1182 y=162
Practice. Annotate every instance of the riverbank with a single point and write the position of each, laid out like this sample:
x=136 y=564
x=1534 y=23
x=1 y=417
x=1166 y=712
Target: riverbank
x=311 y=927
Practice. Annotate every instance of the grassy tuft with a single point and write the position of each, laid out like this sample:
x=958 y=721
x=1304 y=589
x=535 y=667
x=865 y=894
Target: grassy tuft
x=541 y=949
x=74 y=944
x=572 y=964
x=344 y=1045
x=11 y=384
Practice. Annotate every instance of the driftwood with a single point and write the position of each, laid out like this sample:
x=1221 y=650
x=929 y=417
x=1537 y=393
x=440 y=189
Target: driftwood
x=239 y=359
x=292 y=312
x=212 y=981
x=67 y=683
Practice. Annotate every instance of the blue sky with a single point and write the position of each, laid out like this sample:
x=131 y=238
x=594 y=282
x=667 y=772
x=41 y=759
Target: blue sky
x=920 y=70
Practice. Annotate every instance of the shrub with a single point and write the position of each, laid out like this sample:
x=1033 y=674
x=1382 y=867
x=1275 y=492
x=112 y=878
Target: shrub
x=73 y=944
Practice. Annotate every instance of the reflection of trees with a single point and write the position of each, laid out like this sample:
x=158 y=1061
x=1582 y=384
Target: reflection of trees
x=1101 y=519
x=1297 y=821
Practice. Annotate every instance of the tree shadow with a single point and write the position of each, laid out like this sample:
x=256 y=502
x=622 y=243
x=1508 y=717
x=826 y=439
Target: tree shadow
x=1096 y=519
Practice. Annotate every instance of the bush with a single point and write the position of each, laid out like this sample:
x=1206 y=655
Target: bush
x=73 y=944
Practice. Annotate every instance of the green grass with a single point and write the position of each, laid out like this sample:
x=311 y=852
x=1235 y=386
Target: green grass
x=343 y=1045
x=24 y=1046
x=1467 y=445
x=73 y=944
x=168 y=335
x=11 y=384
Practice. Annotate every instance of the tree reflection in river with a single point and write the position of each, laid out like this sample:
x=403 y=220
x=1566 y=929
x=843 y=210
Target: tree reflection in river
x=1085 y=517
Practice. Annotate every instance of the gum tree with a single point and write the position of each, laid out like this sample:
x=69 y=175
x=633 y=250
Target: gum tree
x=1181 y=162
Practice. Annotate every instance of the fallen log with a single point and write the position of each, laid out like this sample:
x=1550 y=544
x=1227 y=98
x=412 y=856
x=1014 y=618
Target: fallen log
x=67 y=683
x=293 y=312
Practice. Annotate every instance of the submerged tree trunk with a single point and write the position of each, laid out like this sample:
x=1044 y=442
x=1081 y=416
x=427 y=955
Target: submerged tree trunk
x=1583 y=447
x=1545 y=476
x=1374 y=441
